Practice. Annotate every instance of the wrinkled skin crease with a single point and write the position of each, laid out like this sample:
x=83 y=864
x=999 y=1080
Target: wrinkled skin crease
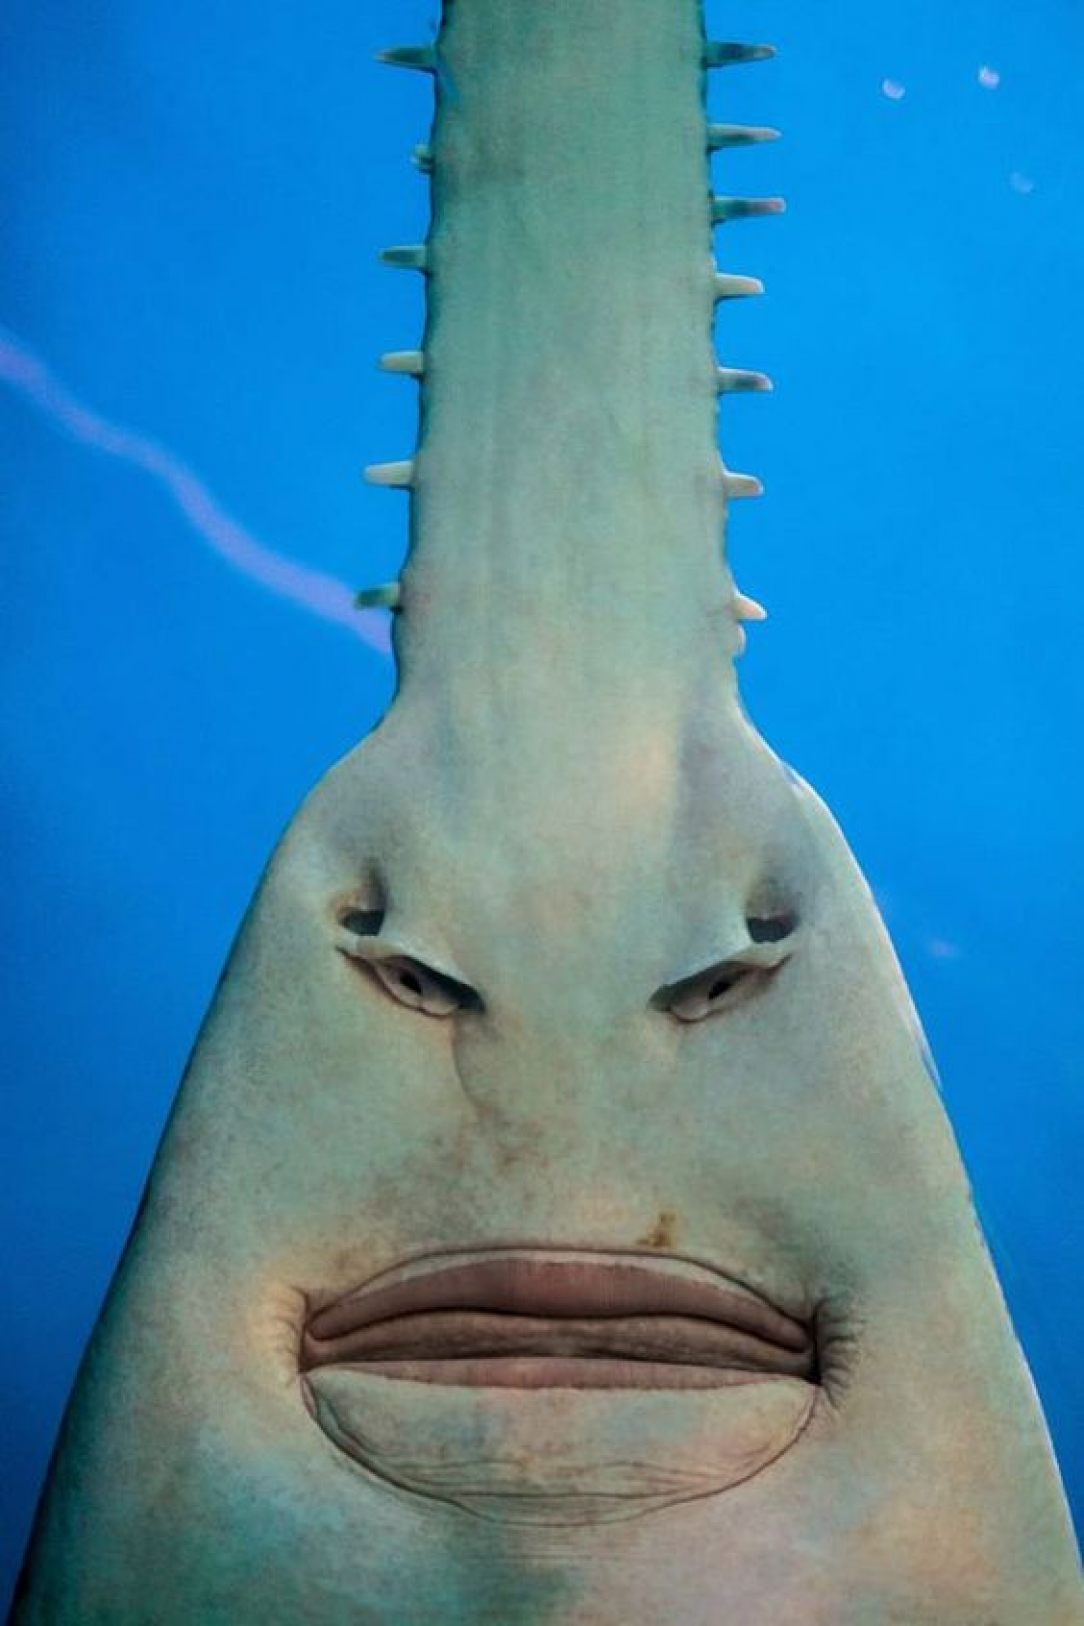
x=639 y=1447
x=805 y=1155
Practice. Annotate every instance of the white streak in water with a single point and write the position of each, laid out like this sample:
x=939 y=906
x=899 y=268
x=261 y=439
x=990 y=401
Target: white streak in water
x=321 y=595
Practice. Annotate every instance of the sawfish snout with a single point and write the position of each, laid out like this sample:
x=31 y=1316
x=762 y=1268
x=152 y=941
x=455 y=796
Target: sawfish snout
x=554 y=1386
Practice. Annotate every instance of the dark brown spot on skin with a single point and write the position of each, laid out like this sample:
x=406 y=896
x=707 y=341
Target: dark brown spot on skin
x=663 y=1234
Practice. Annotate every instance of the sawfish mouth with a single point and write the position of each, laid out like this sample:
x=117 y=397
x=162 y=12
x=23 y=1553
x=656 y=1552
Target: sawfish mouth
x=558 y=1386
x=519 y=1318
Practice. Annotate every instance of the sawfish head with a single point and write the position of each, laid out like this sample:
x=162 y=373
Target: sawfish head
x=655 y=1045
x=558 y=1220
x=575 y=1207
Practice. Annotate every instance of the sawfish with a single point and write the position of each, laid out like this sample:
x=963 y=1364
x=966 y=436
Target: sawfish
x=558 y=1221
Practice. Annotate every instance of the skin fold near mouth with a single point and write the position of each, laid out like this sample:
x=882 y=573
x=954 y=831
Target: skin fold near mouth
x=558 y=1387
x=523 y=1319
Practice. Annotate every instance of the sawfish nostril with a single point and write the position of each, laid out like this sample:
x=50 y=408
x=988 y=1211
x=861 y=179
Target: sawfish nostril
x=362 y=922
x=723 y=984
x=771 y=928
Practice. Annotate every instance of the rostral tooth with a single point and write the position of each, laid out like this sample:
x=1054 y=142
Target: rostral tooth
x=422 y=57
x=738 y=135
x=399 y=475
x=729 y=379
x=728 y=286
x=406 y=257
x=726 y=53
x=411 y=362
x=723 y=209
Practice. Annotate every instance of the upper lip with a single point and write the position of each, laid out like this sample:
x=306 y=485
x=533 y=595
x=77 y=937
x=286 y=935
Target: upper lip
x=515 y=1302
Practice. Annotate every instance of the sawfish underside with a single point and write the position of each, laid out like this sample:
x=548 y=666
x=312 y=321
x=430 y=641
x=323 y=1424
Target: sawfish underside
x=558 y=1221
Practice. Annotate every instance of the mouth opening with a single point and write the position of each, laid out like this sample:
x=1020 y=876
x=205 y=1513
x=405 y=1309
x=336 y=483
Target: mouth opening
x=533 y=1319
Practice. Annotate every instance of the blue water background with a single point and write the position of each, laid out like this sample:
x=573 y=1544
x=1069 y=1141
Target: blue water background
x=194 y=198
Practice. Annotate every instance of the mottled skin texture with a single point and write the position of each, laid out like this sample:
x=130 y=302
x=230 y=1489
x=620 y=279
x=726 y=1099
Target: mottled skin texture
x=567 y=810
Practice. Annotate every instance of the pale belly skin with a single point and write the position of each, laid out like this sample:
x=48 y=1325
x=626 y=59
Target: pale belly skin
x=687 y=1044
x=324 y=1133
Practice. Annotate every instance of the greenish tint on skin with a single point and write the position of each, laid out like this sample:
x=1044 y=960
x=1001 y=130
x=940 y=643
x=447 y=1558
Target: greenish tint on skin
x=565 y=811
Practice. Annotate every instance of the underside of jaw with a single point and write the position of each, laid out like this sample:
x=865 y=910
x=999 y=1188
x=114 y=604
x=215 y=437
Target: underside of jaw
x=558 y=1386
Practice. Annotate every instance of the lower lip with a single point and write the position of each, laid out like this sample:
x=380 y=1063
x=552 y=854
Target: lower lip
x=559 y=1372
